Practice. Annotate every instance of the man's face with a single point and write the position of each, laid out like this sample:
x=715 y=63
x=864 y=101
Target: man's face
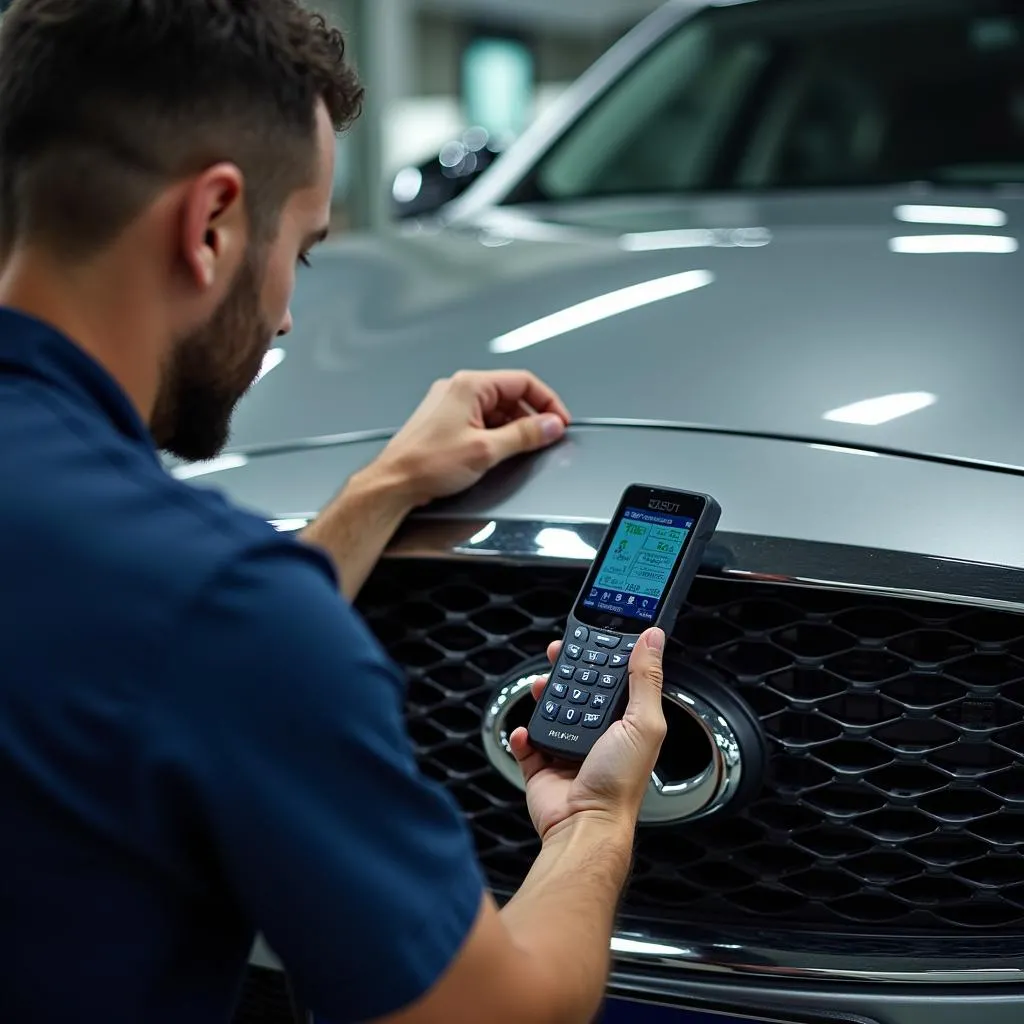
x=211 y=369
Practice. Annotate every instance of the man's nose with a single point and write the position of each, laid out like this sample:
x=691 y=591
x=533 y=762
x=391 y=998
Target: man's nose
x=286 y=324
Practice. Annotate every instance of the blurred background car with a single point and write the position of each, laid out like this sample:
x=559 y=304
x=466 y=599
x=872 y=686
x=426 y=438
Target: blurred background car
x=436 y=182
x=768 y=250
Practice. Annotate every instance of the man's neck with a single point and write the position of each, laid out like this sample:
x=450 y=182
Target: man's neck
x=97 y=306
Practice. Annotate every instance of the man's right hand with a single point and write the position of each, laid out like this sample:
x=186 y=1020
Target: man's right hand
x=544 y=958
x=612 y=781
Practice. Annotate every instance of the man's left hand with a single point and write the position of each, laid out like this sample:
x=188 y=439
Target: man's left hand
x=467 y=425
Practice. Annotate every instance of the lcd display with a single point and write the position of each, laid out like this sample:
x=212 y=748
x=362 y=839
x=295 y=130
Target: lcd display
x=638 y=564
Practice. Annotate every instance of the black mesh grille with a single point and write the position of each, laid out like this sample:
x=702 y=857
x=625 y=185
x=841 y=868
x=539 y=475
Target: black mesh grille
x=897 y=732
x=264 y=999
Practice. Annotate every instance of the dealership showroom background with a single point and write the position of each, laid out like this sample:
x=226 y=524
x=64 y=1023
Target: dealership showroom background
x=766 y=251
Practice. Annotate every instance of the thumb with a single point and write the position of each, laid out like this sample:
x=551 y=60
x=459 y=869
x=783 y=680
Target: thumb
x=646 y=676
x=527 y=434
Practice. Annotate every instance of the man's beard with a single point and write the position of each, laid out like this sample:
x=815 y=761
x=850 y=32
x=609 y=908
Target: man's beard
x=210 y=371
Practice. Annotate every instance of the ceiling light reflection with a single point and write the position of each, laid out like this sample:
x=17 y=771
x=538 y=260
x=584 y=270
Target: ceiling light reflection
x=695 y=238
x=218 y=465
x=844 y=451
x=554 y=542
x=485 y=534
x=289 y=525
x=927 y=244
x=976 y=216
x=271 y=361
x=873 y=412
x=600 y=308
x=642 y=948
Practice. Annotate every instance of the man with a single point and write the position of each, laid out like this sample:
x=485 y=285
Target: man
x=199 y=740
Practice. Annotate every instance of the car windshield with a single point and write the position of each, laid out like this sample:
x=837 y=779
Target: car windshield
x=787 y=94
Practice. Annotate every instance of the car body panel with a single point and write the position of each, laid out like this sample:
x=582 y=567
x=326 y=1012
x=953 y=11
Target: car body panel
x=767 y=488
x=803 y=310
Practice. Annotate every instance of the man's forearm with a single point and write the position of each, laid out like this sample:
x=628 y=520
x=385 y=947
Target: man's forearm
x=356 y=527
x=564 y=912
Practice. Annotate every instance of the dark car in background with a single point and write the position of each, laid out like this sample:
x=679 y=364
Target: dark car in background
x=770 y=251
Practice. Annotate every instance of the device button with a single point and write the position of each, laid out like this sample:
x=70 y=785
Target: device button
x=581 y=634
x=600 y=700
x=549 y=709
x=618 y=660
x=559 y=690
x=630 y=644
x=565 y=671
x=586 y=675
x=607 y=640
x=593 y=719
x=579 y=696
x=609 y=680
x=573 y=651
x=595 y=658
x=570 y=716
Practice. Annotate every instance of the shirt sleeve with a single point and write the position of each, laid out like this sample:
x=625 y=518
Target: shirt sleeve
x=284 y=719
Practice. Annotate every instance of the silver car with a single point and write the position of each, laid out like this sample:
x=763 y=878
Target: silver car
x=769 y=251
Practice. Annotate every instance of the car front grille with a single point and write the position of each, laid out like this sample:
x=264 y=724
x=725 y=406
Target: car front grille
x=896 y=730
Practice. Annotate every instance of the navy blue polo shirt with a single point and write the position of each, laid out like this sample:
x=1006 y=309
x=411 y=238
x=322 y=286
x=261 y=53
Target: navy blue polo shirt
x=199 y=740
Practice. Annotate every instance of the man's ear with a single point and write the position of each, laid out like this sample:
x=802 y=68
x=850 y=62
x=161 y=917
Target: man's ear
x=214 y=228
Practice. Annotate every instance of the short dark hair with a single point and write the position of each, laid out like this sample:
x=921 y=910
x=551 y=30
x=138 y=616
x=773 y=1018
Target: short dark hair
x=105 y=102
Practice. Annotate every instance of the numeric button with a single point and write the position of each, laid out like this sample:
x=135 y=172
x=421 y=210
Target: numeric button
x=586 y=675
x=579 y=696
x=608 y=680
x=596 y=658
x=593 y=719
x=573 y=651
x=617 y=660
x=570 y=716
x=565 y=671
x=549 y=709
x=559 y=690
x=600 y=700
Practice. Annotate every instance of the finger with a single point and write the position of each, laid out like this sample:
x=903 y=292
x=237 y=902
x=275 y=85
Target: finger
x=554 y=649
x=646 y=677
x=513 y=387
x=537 y=686
x=530 y=760
x=529 y=434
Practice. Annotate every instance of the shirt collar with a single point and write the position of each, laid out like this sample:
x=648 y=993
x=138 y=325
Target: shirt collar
x=30 y=347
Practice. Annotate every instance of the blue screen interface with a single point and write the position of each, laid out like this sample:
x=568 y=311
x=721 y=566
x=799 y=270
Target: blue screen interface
x=631 y=579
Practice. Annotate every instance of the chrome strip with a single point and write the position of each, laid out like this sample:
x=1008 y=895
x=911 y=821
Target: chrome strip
x=775 y=560
x=699 y=950
x=702 y=953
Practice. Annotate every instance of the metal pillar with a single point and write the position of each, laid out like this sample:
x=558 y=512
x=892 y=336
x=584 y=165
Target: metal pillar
x=381 y=35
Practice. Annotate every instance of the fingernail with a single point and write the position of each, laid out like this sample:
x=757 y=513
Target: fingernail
x=552 y=427
x=656 y=639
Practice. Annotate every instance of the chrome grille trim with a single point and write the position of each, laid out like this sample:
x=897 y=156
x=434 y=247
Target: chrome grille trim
x=777 y=560
x=699 y=951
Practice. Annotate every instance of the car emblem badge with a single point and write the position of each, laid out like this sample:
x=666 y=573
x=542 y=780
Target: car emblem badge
x=712 y=720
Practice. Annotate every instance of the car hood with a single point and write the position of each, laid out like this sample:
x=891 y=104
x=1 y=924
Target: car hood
x=771 y=317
